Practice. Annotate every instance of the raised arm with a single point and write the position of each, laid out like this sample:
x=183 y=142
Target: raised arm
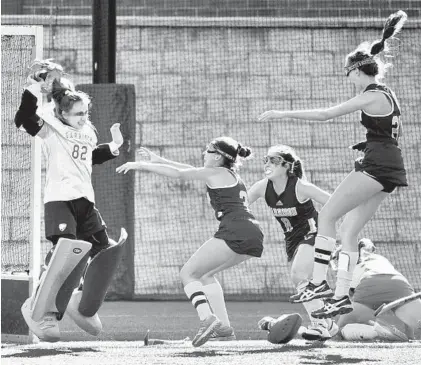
x=307 y=190
x=357 y=103
x=108 y=151
x=257 y=191
x=26 y=117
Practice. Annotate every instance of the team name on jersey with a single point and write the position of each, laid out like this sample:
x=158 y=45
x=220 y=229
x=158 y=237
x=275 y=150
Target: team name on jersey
x=284 y=212
x=79 y=136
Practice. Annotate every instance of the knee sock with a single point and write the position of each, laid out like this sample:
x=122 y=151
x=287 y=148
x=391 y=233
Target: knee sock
x=194 y=291
x=215 y=296
x=322 y=250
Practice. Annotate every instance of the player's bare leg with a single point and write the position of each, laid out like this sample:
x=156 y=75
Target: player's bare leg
x=355 y=190
x=212 y=257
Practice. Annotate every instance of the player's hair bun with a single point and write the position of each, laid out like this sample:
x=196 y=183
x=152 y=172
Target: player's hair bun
x=244 y=151
x=59 y=90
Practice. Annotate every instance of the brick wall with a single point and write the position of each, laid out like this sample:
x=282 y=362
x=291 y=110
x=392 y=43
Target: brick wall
x=221 y=8
x=193 y=84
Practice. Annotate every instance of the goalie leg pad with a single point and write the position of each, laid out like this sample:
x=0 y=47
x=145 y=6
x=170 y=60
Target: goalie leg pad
x=358 y=332
x=62 y=275
x=99 y=275
x=285 y=328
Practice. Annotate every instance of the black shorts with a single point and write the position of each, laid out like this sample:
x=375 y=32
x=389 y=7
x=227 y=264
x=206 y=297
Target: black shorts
x=77 y=217
x=383 y=162
x=243 y=235
x=292 y=246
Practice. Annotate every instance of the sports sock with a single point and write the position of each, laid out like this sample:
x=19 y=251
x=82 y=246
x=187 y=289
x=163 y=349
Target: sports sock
x=194 y=291
x=215 y=297
x=322 y=250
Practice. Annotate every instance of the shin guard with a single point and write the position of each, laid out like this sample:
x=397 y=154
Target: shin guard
x=99 y=275
x=61 y=277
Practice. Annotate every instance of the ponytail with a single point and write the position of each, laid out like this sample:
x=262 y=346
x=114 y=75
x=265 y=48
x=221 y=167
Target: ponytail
x=65 y=96
x=297 y=169
x=391 y=27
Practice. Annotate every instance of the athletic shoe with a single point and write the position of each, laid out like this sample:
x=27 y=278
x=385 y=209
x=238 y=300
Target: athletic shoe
x=46 y=329
x=333 y=307
x=223 y=333
x=91 y=325
x=319 y=331
x=312 y=291
x=207 y=327
x=266 y=323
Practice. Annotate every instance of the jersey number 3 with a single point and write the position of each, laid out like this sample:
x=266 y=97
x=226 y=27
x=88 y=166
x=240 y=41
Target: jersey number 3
x=244 y=197
x=396 y=127
x=79 y=152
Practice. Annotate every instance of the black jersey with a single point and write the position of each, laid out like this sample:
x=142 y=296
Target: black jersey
x=231 y=200
x=386 y=126
x=297 y=219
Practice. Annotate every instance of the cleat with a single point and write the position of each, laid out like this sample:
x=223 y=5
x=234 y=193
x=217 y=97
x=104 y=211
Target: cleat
x=223 y=333
x=207 y=327
x=91 y=325
x=333 y=307
x=320 y=331
x=46 y=329
x=312 y=291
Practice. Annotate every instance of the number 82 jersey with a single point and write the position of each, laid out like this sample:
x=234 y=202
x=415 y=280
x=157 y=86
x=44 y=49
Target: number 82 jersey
x=68 y=155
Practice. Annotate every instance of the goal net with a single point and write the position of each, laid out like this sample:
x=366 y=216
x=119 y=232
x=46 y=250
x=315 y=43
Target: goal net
x=20 y=157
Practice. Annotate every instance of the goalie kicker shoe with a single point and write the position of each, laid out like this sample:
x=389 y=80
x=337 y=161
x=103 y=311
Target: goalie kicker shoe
x=46 y=329
x=319 y=331
x=91 y=325
x=333 y=307
x=207 y=327
x=312 y=291
x=388 y=332
x=223 y=333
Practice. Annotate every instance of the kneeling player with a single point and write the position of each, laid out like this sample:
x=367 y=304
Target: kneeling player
x=72 y=222
x=376 y=282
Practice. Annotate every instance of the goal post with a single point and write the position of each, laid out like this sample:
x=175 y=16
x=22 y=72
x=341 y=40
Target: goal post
x=21 y=185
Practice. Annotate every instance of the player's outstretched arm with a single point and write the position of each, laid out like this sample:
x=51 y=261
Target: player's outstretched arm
x=357 y=103
x=201 y=173
x=148 y=155
x=108 y=151
x=256 y=191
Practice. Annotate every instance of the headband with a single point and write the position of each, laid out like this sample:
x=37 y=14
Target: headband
x=228 y=156
x=367 y=61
